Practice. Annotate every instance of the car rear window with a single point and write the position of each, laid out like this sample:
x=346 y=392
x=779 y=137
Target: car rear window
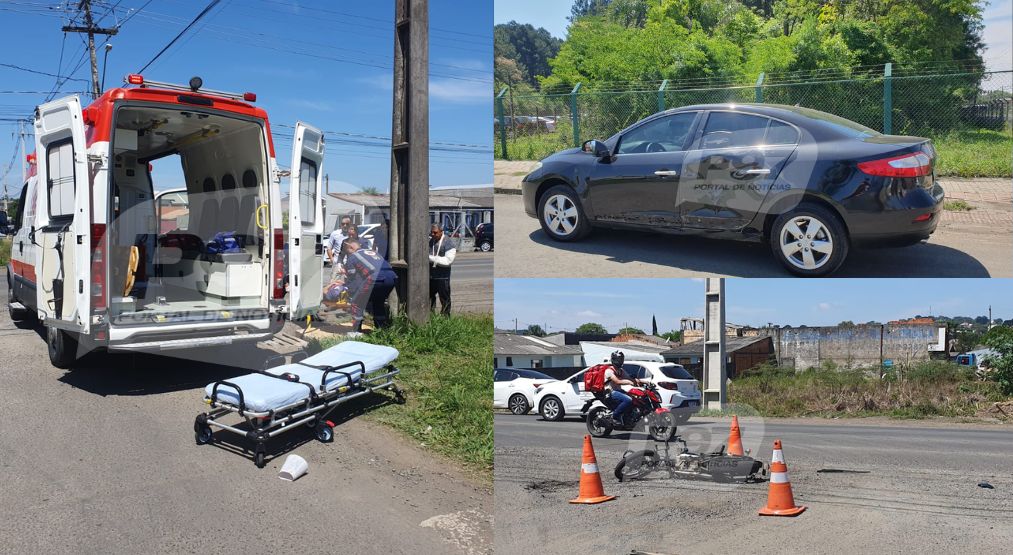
x=675 y=372
x=780 y=133
x=839 y=124
x=534 y=375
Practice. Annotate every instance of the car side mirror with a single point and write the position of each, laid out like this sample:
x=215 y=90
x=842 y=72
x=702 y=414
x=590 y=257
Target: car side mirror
x=596 y=147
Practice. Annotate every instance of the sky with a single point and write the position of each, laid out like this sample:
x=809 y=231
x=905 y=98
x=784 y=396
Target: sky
x=324 y=63
x=553 y=14
x=564 y=304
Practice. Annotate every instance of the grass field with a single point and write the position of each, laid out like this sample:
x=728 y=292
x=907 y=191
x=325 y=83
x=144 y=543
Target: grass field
x=446 y=369
x=5 y=250
x=932 y=388
x=979 y=153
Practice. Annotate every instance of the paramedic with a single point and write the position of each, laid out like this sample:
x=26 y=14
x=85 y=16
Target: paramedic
x=441 y=255
x=369 y=281
x=335 y=239
x=614 y=378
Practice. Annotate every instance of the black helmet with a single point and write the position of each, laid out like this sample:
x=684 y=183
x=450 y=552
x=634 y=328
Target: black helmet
x=618 y=358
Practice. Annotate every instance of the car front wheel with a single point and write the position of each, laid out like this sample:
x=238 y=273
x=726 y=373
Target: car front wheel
x=561 y=216
x=810 y=241
x=485 y=246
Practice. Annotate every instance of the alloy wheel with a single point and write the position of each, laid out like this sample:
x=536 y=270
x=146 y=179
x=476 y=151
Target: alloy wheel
x=560 y=215
x=806 y=242
x=550 y=409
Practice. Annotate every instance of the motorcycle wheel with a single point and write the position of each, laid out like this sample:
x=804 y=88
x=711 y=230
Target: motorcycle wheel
x=635 y=466
x=599 y=422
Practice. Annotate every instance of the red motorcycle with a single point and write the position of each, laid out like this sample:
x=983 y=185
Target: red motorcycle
x=646 y=410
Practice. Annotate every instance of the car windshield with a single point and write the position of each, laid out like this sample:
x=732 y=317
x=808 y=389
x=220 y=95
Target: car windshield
x=675 y=372
x=534 y=375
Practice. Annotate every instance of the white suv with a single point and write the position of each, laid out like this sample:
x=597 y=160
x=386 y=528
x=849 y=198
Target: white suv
x=680 y=393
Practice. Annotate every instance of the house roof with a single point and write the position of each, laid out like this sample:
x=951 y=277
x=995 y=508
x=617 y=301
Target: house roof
x=732 y=344
x=438 y=198
x=514 y=344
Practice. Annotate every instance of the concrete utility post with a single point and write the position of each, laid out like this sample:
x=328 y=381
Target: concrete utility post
x=715 y=394
x=409 y=171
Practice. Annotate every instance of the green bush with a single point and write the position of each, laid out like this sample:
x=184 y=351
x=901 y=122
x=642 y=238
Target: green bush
x=5 y=250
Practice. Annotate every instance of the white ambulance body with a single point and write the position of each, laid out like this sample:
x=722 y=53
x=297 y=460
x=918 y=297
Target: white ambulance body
x=105 y=264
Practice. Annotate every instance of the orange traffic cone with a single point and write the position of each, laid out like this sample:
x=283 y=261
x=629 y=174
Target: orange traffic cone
x=591 y=490
x=780 y=501
x=734 y=439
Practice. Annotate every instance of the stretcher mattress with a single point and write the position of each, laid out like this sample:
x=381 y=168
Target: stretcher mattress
x=373 y=357
x=263 y=393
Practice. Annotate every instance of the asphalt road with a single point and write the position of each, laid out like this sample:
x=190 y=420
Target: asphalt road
x=523 y=250
x=471 y=266
x=101 y=459
x=892 y=487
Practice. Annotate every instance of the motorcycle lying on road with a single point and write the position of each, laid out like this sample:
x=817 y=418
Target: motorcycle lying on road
x=717 y=466
x=646 y=410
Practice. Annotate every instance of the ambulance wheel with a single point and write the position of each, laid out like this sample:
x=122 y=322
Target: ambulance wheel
x=324 y=433
x=203 y=434
x=62 y=347
x=258 y=459
x=16 y=314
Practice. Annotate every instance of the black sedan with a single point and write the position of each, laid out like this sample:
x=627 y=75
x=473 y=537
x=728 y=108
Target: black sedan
x=808 y=183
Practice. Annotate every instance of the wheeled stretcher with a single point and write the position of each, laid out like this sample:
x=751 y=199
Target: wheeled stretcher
x=279 y=399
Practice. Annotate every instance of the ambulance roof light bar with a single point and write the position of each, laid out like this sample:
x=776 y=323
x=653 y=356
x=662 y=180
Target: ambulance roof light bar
x=195 y=86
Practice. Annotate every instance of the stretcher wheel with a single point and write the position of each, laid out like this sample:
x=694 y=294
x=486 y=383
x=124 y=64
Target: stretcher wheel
x=258 y=459
x=400 y=396
x=203 y=434
x=324 y=433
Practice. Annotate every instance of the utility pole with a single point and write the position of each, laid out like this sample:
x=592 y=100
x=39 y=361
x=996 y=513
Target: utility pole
x=92 y=30
x=715 y=390
x=409 y=172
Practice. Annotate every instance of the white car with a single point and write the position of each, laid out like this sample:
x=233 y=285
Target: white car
x=680 y=393
x=514 y=388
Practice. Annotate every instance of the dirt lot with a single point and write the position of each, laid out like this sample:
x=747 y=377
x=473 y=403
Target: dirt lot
x=102 y=459
x=975 y=243
x=904 y=487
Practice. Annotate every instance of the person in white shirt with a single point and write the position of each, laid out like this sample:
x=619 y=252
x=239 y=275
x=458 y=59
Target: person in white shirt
x=442 y=252
x=335 y=239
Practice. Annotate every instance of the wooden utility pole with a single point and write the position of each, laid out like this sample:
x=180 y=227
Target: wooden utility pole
x=409 y=171
x=92 y=30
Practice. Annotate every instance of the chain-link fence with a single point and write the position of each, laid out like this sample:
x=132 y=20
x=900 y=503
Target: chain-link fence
x=532 y=126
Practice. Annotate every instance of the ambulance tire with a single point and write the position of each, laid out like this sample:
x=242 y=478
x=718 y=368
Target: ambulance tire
x=62 y=347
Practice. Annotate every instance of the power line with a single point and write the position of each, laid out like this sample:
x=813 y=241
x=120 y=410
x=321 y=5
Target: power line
x=200 y=16
x=37 y=72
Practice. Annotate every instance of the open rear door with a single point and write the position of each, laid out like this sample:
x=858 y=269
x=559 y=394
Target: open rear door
x=63 y=216
x=305 y=222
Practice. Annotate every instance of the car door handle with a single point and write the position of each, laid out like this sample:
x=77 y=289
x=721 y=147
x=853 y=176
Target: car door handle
x=667 y=173
x=757 y=171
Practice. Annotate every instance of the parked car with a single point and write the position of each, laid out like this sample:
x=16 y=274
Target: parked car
x=680 y=393
x=5 y=224
x=809 y=184
x=514 y=388
x=483 y=237
x=91 y=260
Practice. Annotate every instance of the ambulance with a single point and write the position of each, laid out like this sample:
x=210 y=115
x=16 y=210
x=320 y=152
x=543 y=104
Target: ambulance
x=107 y=257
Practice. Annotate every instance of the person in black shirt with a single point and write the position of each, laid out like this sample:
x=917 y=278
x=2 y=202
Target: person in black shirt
x=442 y=252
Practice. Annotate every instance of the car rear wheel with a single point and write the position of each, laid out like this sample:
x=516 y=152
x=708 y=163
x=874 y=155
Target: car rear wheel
x=561 y=216
x=518 y=404
x=551 y=409
x=809 y=241
x=485 y=246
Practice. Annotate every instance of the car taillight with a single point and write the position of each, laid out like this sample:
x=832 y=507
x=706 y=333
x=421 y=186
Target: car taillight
x=278 y=254
x=673 y=386
x=98 y=267
x=915 y=164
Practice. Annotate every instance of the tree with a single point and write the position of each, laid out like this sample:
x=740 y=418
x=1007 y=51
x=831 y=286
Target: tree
x=673 y=335
x=631 y=331
x=592 y=327
x=654 y=325
x=370 y=190
x=535 y=330
x=846 y=324
x=529 y=48
x=1000 y=340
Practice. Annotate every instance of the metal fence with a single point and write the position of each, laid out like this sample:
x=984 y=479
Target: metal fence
x=532 y=126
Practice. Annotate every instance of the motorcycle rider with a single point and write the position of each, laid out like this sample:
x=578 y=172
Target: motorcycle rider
x=614 y=379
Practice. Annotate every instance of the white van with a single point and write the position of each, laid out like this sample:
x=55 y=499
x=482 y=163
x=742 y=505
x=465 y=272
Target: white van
x=104 y=263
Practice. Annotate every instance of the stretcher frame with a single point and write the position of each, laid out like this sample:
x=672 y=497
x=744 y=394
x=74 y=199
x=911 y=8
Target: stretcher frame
x=312 y=411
